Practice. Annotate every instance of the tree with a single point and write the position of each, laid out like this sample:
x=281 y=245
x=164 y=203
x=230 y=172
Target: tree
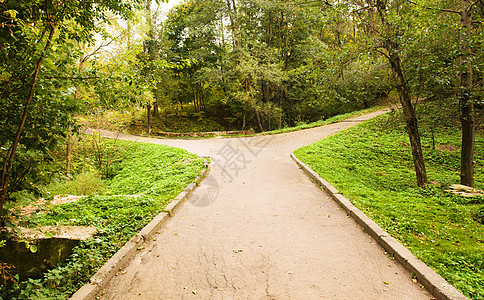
x=383 y=21
x=34 y=41
x=465 y=97
x=462 y=57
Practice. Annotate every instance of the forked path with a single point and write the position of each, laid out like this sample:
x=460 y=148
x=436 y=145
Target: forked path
x=258 y=228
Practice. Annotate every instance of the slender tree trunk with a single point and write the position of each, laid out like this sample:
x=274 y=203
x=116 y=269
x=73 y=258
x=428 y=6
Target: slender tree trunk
x=408 y=111
x=68 y=154
x=267 y=91
x=410 y=118
x=82 y=59
x=13 y=148
x=155 y=109
x=243 y=120
x=148 y=113
x=259 y=123
x=281 y=95
x=234 y=23
x=466 y=101
x=269 y=127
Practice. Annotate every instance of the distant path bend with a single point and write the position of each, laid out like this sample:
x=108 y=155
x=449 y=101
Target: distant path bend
x=258 y=228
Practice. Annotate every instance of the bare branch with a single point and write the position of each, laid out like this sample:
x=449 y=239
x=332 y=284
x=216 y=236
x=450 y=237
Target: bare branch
x=102 y=46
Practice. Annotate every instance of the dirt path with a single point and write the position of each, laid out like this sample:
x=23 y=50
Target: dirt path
x=258 y=228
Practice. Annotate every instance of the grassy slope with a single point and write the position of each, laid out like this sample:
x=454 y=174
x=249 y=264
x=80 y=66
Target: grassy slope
x=374 y=169
x=331 y=120
x=157 y=173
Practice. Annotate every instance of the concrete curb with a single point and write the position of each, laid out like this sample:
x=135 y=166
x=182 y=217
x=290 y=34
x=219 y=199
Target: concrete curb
x=432 y=281
x=116 y=262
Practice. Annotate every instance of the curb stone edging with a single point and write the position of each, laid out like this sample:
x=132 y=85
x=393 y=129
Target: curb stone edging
x=115 y=263
x=432 y=281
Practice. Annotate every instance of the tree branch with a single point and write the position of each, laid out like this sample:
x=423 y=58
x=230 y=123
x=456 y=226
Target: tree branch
x=102 y=46
x=313 y=1
x=383 y=53
x=434 y=8
x=73 y=78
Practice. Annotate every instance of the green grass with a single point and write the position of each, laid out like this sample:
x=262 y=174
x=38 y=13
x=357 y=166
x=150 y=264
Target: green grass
x=374 y=169
x=144 y=180
x=335 y=119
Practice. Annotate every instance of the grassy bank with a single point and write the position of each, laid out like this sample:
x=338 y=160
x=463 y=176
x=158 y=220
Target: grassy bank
x=142 y=180
x=335 y=119
x=372 y=166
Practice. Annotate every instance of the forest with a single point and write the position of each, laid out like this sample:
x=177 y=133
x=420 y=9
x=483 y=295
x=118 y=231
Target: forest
x=224 y=65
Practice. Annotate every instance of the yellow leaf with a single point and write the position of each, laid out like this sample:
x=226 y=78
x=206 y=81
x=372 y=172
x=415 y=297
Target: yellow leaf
x=11 y=12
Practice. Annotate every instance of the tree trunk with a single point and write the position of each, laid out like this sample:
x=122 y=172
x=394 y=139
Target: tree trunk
x=155 y=109
x=243 y=120
x=391 y=45
x=68 y=154
x=410 y=118
x=281 y=95
x=259 y=123
x=13 y=148
x=234 y=23
x=466 y=101
x=148 y=113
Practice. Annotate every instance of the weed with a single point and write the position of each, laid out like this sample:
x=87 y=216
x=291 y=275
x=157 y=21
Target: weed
x=85 y=183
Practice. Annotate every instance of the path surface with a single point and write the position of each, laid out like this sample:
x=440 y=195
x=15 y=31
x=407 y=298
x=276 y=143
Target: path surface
x=258 y=228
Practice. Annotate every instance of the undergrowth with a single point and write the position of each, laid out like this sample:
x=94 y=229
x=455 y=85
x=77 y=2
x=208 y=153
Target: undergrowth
x=371 y=164
x=143 y=180
x=191 y=122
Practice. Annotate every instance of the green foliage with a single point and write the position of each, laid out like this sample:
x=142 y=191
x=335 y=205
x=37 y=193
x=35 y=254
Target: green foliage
x=38 y=65
x=85 y=183
x=479 y=214
x=371 y=165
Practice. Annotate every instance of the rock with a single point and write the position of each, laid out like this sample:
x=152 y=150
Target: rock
x=54 y=244
x=464 y=191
